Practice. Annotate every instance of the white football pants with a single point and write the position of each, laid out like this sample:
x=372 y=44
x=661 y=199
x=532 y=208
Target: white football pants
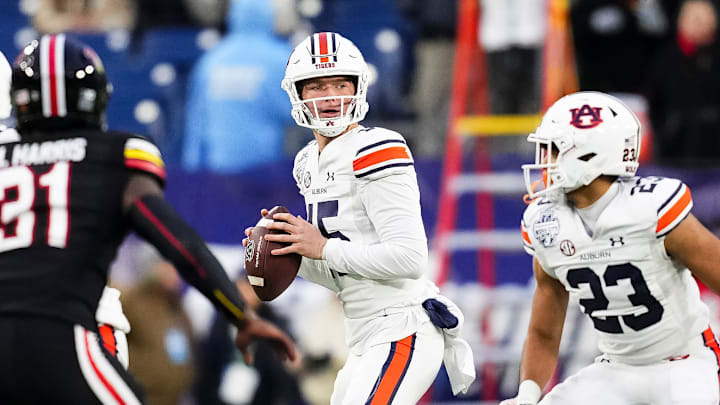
x=397 y=373
x=691 y=380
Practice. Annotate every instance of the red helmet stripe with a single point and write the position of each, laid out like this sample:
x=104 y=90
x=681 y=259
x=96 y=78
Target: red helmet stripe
x=323 y=47
x=52 y=72
x=61 y=99
x=53 y=75
x=45 y=95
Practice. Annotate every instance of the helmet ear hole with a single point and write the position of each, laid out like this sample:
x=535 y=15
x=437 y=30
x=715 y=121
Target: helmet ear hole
x=587 y=156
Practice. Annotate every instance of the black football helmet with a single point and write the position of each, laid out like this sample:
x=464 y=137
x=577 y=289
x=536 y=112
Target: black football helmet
x=59 y=83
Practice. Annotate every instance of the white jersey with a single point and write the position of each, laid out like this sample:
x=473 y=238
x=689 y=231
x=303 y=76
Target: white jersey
x=362 y=193
x=644 y=305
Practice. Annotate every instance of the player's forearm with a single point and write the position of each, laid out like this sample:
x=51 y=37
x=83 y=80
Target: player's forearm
x=690 y=237
x=382 y=261
x=539 y=359
x=316 y=272
x=393 y=207
x=157 y=222
x=549 y=307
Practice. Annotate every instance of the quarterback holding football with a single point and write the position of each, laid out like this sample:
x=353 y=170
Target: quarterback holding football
x=364 y=237
x=625 y=248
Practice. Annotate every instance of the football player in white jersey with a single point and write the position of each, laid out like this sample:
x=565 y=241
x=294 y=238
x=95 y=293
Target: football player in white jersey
x=364 y=238
x=626 y=249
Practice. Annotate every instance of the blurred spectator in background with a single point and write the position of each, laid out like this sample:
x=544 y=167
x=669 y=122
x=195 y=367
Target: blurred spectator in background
x=512 y=34
x=614 y=42
x=683 y=90
x=237 y=113
x=225 y=379
x=204 y=13
x=160 y=343
x=435 y=22
x=323 y=353
x=53 y=16
x=191 y=13
x=287 y=18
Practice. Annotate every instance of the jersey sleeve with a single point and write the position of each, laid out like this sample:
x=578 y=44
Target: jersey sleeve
x=674 y=202
x=299 y=165
x=526 y=221
x=530 y=243
x=393 y=207
x=317 y=271
x=382 y=154
x=142 y=155
x=527 y=243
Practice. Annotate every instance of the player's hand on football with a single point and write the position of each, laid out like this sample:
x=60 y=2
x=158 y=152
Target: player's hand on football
x=249 y=229
x=304 y=238
x=256 y=328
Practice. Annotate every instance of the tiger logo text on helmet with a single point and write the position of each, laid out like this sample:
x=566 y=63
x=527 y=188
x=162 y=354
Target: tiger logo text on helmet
x=327 y=54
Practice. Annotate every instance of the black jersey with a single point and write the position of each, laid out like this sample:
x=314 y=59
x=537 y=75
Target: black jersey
x=61 y=218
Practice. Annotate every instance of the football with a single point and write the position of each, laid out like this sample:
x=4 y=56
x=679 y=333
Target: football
x=269 y=275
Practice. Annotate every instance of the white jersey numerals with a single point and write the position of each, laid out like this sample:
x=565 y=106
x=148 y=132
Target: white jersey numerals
x=18 y=209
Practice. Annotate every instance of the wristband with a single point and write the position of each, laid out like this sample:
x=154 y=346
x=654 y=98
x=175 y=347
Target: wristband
x=528 y=393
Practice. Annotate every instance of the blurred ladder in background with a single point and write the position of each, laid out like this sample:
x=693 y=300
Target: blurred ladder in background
x=468 y=174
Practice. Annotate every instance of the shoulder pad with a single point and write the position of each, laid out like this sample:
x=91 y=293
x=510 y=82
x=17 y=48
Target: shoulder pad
x=528 y=218
x=300 y=161
x=673 y=202
x=670 y=198
x=527 y=243
x=379 y=153
x=141 y=154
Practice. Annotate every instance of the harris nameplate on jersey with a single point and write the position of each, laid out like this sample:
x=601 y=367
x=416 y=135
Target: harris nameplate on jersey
x=42 y=153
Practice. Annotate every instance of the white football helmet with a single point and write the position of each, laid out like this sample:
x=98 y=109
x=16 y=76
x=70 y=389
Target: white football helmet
x=594 y=134
x=5 y=78
x=321 y=55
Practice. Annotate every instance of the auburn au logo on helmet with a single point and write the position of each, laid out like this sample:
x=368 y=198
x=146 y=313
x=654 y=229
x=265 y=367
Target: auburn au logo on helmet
x=593 y=113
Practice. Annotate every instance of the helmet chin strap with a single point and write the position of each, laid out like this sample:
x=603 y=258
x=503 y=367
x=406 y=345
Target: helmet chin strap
x=332 y=132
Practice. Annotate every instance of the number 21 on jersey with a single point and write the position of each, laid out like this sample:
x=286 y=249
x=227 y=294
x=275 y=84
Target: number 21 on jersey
x=18 y=202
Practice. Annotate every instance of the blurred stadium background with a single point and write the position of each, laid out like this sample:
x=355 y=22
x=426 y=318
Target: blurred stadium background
x=468 y=165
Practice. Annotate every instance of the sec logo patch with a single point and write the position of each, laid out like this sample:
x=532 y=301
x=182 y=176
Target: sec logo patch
x=567 y=248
